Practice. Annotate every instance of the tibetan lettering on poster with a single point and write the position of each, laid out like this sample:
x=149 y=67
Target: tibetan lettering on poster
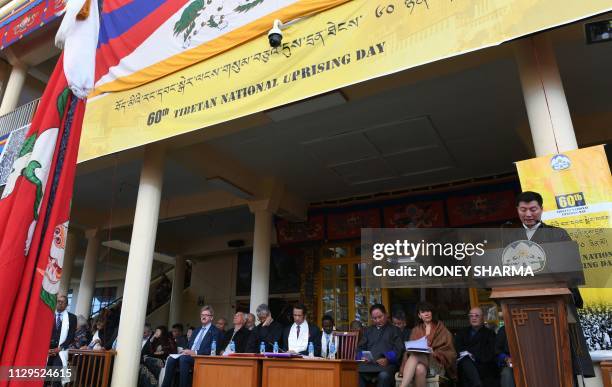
x=577 y=191
x=423 y=214
x=481 y=208
x=312 y=229
x=348 y=225
x=351 y=43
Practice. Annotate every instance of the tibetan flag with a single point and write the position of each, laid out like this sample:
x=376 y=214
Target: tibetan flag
x=35 y=205
x=143 y=40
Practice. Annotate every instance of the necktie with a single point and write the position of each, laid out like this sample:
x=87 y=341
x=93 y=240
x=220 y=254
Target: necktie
x=328 y=340
x=298 y=331
x=198 y=340
x=58 y=321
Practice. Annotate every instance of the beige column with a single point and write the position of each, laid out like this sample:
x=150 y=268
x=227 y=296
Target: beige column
x=178 y=284
x=72 y=244
x=549 y=116
x=260 y=277
x=138 y=275
x=88 y=276
x=13 y=88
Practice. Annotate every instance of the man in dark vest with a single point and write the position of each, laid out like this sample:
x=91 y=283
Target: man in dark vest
x=384 y=342
x=475 y=346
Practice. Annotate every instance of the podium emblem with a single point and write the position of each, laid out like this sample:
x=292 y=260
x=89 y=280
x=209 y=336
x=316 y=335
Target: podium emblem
x=525 y=254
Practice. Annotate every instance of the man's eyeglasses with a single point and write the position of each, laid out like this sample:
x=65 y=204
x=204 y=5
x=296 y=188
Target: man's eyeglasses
x=473 y=315
x=206 y=315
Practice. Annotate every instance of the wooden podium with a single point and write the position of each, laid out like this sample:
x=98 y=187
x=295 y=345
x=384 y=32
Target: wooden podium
x=309 y=373
x=538 y=335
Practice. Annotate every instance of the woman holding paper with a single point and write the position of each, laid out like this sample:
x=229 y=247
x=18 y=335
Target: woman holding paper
x=439 y=352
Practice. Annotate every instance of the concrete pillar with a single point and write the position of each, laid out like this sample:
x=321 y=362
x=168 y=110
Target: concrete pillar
x=176 y=299
x=13 y=88
x=88 y=276
x=72 y=245
x=549 y=116
x=138 y=275
x=260 y=278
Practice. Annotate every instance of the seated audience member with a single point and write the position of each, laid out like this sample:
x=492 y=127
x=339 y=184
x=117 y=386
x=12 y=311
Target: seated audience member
x=160 y=346
x=179 y=338
x=199 y=344
x=327 y=336
x=476 y=348
x=189 y=332
x=504 y=360
x=443 y=356
x=239 y=335
x=268 y=331
x=250 y=321
x=221 y=325
x=384 y=342
x=399 y=320
x=82 y=335
x=100 y=340
x=297 y=337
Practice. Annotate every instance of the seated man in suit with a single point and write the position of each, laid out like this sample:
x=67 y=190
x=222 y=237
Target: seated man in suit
x=268 y=331
x=297 y=336
x=476 y=348
x=199 y=344
x=384 y=341
x=62 y=335
x=239 y=335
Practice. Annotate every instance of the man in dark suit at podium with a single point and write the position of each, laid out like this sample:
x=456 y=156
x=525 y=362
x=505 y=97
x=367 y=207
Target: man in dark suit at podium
x=529 y=208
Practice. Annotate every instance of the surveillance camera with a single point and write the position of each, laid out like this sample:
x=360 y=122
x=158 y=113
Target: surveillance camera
x=275 y=35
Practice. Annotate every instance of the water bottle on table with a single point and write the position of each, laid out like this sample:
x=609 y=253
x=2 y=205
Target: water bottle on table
x=332 y=350
x=310 y=350
x=262 y=347
x=213 y=348
x=232 y=347
x=275 y=348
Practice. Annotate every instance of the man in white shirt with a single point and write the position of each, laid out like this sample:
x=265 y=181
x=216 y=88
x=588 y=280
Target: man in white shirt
x=327 y=336
x=297 y=336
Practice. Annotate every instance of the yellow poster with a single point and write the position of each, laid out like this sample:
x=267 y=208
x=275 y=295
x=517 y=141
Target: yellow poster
x=577 y=191
x=353 y=42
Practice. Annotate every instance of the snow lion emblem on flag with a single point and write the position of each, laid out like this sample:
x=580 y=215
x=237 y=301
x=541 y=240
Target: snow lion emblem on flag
x=195 y=17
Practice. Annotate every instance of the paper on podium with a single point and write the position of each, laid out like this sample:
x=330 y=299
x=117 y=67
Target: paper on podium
x=419 y=345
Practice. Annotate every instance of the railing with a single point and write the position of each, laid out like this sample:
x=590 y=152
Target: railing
x=91 y=368
x=18 y=118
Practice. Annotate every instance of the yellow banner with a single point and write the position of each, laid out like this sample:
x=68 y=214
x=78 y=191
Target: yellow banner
x=357 y=41
x=577 y=191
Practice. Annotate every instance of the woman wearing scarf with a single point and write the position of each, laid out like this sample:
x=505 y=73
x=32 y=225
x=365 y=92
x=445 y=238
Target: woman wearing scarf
x=443 y=356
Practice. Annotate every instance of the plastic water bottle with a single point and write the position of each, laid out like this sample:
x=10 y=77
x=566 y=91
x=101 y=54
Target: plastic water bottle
x=275 y=349
x=213 y=348
x=332 y=350
x=262 y=347
x=232 y=347
x=310 y=349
